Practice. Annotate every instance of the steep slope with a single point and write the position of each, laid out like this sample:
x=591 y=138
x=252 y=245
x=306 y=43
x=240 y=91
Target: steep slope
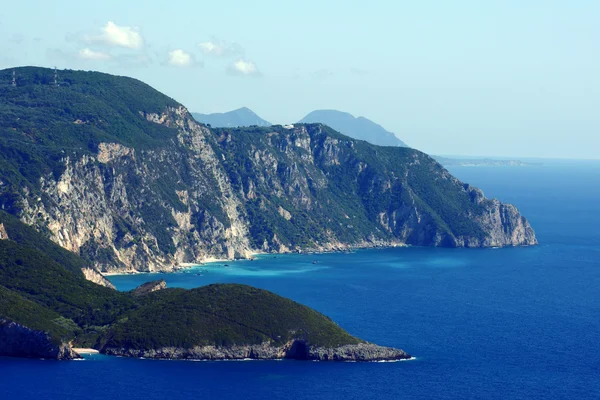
x=232 y=119
x=358 y=128
x=114 y=171
x=44 y=306
x=342 y=191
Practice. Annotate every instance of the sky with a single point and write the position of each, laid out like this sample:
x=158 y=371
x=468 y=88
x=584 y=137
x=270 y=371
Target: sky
x=476 y=78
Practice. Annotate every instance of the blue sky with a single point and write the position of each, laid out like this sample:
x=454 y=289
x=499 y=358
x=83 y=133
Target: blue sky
x=490 y=78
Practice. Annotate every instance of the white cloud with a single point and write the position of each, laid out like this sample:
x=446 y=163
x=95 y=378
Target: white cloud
x=88 y=54
x=244 y=68
x=119 y=36
x=180 y=58
x=219 y=48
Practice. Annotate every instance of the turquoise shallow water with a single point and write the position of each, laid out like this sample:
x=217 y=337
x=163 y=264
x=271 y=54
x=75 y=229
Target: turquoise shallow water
x=486 y=323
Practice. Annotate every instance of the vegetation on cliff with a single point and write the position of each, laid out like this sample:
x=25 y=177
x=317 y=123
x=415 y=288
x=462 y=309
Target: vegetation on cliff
x=41 y=124
x=15 y=307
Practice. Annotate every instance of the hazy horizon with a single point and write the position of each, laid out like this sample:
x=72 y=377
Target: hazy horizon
x=492 y=79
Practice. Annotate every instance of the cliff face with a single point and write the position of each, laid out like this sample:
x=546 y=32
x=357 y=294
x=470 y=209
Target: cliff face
x=19 y=341
x=226 y=194
x=144 y=211
x=139 y=185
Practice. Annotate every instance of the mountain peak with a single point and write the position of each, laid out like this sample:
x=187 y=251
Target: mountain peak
x=237 y=118
x=356 y=127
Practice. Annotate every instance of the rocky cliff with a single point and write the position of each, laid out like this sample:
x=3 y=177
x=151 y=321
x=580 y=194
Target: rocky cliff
x=20 y=341
x=125 y=177
x=149 y=287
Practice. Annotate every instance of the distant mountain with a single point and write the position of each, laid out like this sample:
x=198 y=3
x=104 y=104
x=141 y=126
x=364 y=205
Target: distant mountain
x=232 y=119
x=358 y=128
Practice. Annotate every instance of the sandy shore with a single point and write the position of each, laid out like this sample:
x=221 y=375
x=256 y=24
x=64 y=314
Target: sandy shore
x=85 y=351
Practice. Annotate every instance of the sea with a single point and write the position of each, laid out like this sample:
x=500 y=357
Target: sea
x=512 y=323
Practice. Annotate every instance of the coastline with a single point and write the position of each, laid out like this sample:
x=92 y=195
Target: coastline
x=295 y=349
x=253 y=255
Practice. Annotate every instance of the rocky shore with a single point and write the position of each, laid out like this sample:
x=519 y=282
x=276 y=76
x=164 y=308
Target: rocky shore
x=295 y=350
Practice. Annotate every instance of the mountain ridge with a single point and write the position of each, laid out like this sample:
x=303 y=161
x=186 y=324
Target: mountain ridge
x=138 y=185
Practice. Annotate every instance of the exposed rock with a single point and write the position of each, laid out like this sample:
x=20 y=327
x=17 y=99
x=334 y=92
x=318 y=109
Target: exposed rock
x=107 y=152
x=284 y=213
x=19 y=341
x=295 y=349
x=3 y=234
x=358 y=352
x=96 y=198
x=96 y=277
x=149 y=287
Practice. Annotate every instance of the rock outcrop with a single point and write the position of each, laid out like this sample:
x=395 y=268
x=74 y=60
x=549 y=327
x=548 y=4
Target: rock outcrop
x=149 y=287
x=3 y=234
x=296 y=350
x=19 y=341
x=97 y=277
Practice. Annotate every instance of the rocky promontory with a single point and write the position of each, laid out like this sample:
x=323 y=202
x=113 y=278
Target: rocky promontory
x=17 y=340
x=293 y=350
x=149 y=287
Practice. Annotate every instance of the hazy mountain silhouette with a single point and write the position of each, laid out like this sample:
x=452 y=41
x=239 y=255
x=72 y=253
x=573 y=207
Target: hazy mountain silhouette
x=240 y=117
x=357 y=128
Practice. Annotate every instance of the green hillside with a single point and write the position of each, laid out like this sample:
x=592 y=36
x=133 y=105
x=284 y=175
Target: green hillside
x=222 y=315
x=42 y=293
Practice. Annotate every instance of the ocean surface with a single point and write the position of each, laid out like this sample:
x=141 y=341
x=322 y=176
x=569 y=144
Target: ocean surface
x=515 y=323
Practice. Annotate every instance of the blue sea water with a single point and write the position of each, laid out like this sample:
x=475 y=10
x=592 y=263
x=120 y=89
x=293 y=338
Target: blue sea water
x=515 y=323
